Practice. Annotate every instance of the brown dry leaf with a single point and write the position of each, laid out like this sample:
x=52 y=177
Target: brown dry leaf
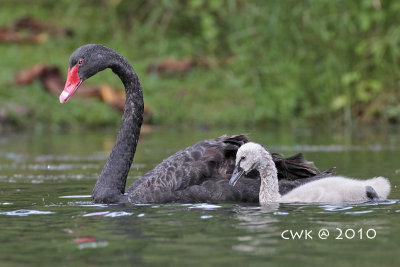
x=26 y=76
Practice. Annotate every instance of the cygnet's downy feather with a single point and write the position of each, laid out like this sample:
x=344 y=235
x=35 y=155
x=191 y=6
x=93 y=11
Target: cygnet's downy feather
x=334 y=189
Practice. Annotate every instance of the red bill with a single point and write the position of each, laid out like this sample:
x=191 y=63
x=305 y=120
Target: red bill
x=71 y=85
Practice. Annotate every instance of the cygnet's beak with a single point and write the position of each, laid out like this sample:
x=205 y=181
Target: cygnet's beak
x=237 y=174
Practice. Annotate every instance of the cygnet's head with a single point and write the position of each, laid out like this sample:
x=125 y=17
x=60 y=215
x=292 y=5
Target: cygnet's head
x=250 y=156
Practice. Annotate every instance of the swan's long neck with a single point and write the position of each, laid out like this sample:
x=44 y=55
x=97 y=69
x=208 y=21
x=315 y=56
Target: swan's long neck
x=110 y=185
x=269 y=189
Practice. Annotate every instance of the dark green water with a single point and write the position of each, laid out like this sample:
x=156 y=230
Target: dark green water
x=47 y=218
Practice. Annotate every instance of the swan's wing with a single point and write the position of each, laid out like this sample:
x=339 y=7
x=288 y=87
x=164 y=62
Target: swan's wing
x=294 y=167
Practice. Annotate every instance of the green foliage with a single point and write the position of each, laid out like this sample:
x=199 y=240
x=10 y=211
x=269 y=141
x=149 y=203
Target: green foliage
x=280 y=61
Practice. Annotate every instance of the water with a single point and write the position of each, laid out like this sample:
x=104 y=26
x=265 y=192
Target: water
x=47 y=217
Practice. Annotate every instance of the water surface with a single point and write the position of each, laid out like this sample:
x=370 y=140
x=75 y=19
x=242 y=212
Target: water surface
x=47 y=217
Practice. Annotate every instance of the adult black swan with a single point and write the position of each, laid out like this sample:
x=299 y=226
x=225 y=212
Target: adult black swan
x=199 y=173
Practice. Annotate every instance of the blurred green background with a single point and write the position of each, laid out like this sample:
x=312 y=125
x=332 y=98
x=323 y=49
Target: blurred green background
x=281 y=62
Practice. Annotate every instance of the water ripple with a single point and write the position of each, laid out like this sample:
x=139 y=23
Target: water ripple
x=45 y=158
x=15 y=157
x=86 y=204
x=76 y=196
x=118 y=214
x=281 y=213
x=204 y=206
x=100 y=213
x=108 y=214
x=40 y=178
x=336 y=208
x=100 y=244
x=359 y=212
x=23 y=212
x=59 y=167
x=388 y=201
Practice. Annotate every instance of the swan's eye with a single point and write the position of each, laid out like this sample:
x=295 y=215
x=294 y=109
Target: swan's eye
x=243 y=158
x=80 y=62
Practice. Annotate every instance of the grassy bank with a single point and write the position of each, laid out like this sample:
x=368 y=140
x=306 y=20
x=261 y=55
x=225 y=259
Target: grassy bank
x=289 y=62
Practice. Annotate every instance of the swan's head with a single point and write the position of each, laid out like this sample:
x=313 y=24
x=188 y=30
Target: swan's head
x=249 y=157
x=85 y=62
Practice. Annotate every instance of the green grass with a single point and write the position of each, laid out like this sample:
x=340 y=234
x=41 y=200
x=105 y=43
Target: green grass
x=285 y=62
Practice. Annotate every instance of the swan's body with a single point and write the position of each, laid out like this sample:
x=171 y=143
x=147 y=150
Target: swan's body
x=335 y=189
x=199 y=173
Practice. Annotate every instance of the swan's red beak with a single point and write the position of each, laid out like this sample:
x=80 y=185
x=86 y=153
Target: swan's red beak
x=71 y=85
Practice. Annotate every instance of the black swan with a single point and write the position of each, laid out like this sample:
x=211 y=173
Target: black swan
x=334 y=189
x=199 y=173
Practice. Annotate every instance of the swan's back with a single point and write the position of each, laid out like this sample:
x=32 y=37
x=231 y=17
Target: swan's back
x=208 y=159
x=338 y=190
x=201 y=173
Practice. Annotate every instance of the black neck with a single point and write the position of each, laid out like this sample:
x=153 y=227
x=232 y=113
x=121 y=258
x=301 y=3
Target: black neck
x=110 y=185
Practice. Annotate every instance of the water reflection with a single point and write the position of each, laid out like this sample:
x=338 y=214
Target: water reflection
x=265 y=225
x=261 y=227
x=256 y=218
